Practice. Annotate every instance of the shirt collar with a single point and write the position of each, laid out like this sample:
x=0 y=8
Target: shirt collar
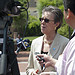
x=73 y=31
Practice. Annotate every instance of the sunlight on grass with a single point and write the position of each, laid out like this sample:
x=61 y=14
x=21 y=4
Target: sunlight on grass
x=31 y=37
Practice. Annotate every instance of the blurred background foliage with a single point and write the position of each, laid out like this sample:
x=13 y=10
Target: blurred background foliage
x=33 y=28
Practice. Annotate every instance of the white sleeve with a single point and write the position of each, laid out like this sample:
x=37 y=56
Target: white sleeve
x=70 y=66
x=58 y=64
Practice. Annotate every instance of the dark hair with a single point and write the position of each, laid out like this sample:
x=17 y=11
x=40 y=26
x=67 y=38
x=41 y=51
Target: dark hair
x=58 y=15
x=69 y=4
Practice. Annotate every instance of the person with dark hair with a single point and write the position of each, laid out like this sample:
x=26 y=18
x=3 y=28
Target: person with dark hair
x=51 y=43
x=65 y=65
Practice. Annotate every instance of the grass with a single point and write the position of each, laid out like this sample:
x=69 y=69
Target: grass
x=31 y=37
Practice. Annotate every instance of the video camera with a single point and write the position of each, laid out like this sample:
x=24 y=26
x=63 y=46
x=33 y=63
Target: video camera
x=23 y=45
x=8 y=60
x=9 y=7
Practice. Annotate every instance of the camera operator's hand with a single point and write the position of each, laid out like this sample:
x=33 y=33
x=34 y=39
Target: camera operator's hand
x=49 y=61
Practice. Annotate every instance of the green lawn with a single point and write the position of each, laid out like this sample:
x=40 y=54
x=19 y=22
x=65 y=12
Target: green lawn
x=31 y=37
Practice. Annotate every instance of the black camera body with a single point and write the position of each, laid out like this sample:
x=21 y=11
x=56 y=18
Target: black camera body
x=8 y=60
x=9 y=7
x=4 y=3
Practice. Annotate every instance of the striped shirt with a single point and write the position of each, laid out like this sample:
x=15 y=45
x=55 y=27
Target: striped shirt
x=66 y=62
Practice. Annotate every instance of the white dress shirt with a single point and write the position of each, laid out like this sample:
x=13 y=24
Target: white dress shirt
x=66 y=63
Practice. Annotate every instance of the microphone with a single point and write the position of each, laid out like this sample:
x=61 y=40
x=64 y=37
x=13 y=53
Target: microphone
x=42 y=59
x=24 y=44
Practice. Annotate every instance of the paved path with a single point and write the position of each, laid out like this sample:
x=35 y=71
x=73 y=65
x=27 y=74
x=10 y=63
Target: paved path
x=22 y=58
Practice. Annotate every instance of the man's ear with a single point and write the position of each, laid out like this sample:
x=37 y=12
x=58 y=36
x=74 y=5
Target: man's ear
x=69 y=14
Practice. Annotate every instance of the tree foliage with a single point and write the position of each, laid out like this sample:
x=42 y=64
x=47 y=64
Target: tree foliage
x=20 y=21
x=43 y=3
x=33 y=26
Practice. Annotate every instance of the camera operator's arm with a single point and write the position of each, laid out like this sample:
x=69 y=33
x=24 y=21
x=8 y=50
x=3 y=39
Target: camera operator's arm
x=49 y=61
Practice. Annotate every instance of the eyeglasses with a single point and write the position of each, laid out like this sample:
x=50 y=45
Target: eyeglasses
x=45 y=20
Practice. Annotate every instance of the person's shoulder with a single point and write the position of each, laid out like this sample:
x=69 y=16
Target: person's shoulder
x=73 y=40
x=37 y=40
x=63 y=37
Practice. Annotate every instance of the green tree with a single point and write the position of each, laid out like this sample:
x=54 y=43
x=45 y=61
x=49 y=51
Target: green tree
x=33 y=26
x=43 y=3
x=20 y=21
